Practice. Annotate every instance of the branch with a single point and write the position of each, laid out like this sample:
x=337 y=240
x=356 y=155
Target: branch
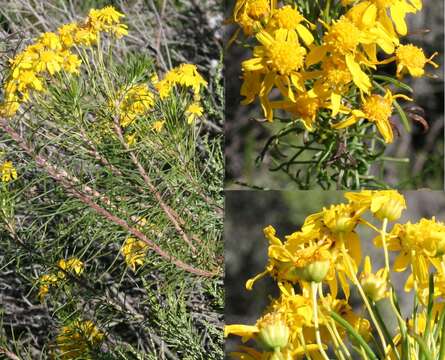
x=63 y=178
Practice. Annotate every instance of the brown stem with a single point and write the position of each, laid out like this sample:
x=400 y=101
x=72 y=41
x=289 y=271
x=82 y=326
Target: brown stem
x=171 y=214
x=9 y=354
x=64 y=179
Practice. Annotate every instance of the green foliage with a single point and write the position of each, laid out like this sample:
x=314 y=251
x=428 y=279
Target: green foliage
x=71 y=161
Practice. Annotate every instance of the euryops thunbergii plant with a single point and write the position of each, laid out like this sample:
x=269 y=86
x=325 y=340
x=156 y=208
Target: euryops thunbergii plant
x=313 y=266
x=114 y=212
x=315 y=67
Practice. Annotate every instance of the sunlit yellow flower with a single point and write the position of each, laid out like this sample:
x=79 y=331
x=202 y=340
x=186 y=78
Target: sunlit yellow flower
x=278 y=59
x=305 y=107
x=420 y=245
x=290 y=19
x=66 y=34
x=377 y=109
x=71 y=62
x=377 y=10
x=186 y=75
x=73 y=265
x=45 y=282
x=250 y=14
x=8 y=171
x=28 y=80
x=412 y=59
x=193 y=111
x=49 y=61
x=375 y=285
x=158 y=125
x=134 y=252
x=132 y=102
x=383 y=204
x=76 y=339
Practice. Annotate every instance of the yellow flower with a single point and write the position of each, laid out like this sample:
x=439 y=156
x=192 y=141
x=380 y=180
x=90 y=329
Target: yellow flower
x=46 y=281
x=28 y=80
x=186 y=75
x=10 y=106
x=107 y=15
x=412 y=59
x=130 y=139
x=305 y=107
x=398 y=10
x=49 y=61
x=375 y=285
x=249 y=14
x=51 y=41
x=278 y=59
x=76 y=339
x=134 y=252
x=132 y=102
x=8 y=171
x=107 y=20
x=193 y=111
x=290 y=19
x=377 y=109
x=67 y=34
x=383 y=204
x=420 y=245
x=85 y=36
x=158 y=125
x=71 y=62
x=72 y=265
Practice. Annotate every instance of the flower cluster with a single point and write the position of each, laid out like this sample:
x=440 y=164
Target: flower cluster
x=314 y=263
x=52 y=53
x=321 y=66
x=186 y=76
x=133 y=102
x=46 y=281
x=7 y=172
x=134 y=252
x=136 y=100
x=75 y=340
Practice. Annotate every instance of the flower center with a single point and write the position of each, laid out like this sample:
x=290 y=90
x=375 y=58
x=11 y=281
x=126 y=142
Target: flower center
x=411 y=56
x=305 y=106
x=286 y=57
x=343 y=36
x=377 y=108
x=287 y=18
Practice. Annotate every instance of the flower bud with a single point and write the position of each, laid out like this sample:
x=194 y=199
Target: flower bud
x=374 y=287
x=340 y=218
x=314 y=272
x=274 y=333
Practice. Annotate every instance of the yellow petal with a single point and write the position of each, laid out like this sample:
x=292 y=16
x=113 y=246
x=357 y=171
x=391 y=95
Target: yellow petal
x=316 y=54
x=305 y=34
x=345 y=123
x=240 y=330
x=370 y=15
x=336 y=102
x=358 y=76
x=401 y=262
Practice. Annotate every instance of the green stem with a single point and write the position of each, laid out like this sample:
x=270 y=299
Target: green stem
x=317 y=329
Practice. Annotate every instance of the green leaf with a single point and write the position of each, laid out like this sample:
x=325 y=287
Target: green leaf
x=354 y=334
x=393 y=81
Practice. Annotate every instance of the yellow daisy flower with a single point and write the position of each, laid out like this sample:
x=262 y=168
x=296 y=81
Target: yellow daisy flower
x=377 y=109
